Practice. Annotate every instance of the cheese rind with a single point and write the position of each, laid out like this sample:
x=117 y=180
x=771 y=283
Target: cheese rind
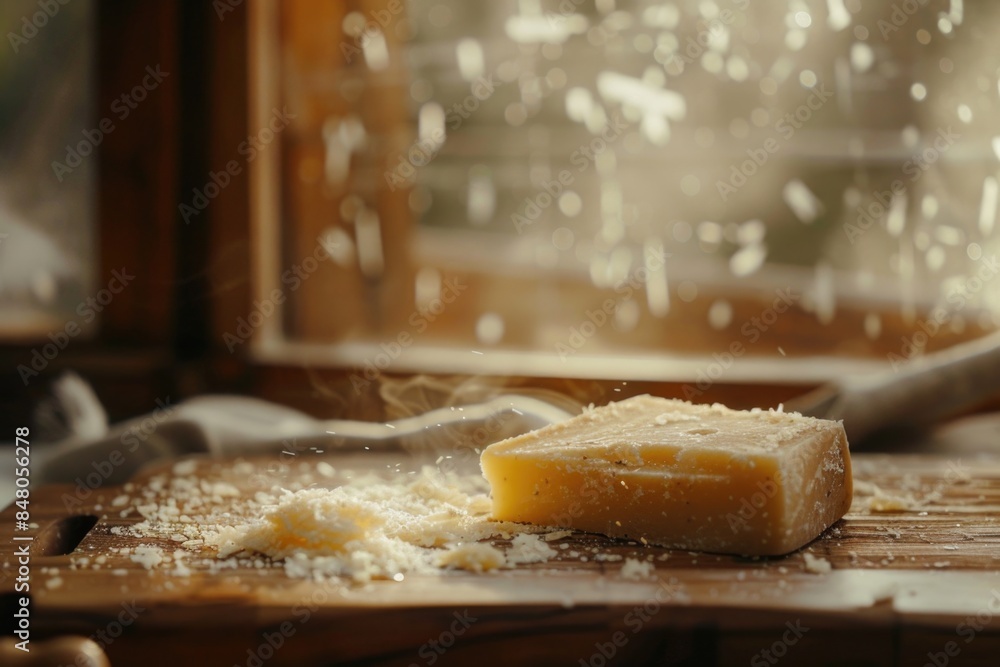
x=672 y=473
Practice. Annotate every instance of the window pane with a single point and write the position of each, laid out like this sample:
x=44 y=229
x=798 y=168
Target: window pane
x=666 y=168
x=47 y=231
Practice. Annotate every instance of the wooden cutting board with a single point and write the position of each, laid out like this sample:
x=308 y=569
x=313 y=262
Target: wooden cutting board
x=905 y=589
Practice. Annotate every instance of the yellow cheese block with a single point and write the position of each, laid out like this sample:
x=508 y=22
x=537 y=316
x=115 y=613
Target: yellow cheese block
x=672 y=473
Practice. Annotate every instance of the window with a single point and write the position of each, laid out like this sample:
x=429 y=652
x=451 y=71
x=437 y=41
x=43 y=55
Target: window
x=624 y=189
x=48 y=248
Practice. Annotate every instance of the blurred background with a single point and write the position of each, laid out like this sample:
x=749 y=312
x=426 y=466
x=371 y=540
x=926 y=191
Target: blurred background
x=306 y=201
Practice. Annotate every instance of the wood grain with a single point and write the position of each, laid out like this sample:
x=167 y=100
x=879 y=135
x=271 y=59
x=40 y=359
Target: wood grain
x=903 y=584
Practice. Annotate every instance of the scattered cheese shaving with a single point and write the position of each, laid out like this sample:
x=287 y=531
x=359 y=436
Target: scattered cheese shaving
x=527 y=548
x=147 y=556
x=884 y=502
x=634 y=568
x=474 y=557
x=817 y=565
x=556 y=535
x=186 y=467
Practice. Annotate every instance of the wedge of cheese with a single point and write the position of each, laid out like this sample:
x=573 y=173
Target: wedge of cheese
x=672 y=473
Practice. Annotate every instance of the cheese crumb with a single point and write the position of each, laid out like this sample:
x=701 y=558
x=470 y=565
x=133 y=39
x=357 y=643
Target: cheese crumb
x=634 y=568
x=817 y=565
x=556 y=535
x=884 y=502
x=474 y=557
x=147 y=556
x=527 y=548
x=185 y=468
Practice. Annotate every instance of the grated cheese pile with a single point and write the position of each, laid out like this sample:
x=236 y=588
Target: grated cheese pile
x=368 y=527
x=372 y=528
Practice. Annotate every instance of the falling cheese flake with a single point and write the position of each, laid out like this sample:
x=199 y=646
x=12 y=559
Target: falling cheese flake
x=470 y=58
x=801 y=200
x=751 y=232
x=748 y=259
x=578 y=104
x=838 y=17
x=530 y=29
x=367 y=229
x=720 y=314
x=862 y=57
x=825 y=294
x=657 y=289
x=873 y=325
x=957 y=12
x=375 y=50
x=482 y=197
x=897 y=214
x=988 y=206
x=431 y=126
x=635 y=92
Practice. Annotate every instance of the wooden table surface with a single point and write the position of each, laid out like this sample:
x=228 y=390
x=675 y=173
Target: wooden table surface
x=907 y=587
